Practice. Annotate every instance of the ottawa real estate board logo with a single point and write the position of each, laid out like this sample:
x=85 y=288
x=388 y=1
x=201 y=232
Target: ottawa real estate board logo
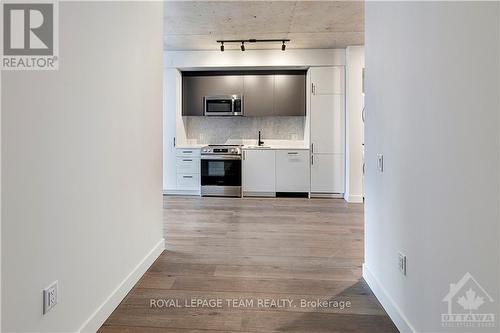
x=30 y=35
x=469 y=305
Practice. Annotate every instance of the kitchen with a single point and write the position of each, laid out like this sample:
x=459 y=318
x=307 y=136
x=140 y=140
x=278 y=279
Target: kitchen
x=252 y=130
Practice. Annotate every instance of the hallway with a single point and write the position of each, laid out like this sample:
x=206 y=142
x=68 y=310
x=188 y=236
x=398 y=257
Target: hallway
x=290 y=251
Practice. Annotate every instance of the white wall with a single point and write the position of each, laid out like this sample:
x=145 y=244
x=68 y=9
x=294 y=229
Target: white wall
x=81 y=168
x=254 y=58
x=1 y=202
x=355 y=61
x=432 y=109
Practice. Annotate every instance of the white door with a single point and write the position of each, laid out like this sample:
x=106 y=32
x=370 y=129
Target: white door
x=327 y=173
x=259 y=172
x=327 y=124
x=292 y=171
x=170 y=78
x=327 y=80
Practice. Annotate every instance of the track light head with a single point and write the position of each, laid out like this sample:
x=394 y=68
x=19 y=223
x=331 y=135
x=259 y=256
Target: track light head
x=283 y=46
x=222 y=46
x=243 y=46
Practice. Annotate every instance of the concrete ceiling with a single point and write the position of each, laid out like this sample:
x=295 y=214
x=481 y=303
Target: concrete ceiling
x=196 y=25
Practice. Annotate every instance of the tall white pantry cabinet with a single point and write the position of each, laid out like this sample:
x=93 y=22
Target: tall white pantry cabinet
x=327 y=131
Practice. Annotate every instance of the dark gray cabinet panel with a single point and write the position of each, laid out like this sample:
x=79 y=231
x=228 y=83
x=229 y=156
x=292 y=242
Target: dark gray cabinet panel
x=194 y=88
x=225 y=85
x=290 y=95
x=258 y=97
x=266 y=93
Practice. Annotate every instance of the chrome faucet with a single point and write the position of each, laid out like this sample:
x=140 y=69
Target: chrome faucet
x=260 y=142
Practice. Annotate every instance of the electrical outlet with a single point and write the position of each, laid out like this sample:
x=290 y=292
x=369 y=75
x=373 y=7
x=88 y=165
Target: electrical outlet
x=380 y=162
x=49 y=297
x=402 y=263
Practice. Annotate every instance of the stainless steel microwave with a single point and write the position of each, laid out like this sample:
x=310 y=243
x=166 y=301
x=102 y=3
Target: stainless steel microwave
x=223 y=105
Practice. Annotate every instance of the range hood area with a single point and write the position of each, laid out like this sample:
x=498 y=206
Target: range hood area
x=244 y=93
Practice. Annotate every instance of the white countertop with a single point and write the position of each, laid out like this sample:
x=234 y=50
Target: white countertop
x=189 y=146
x=275 y=148
x=247 y=147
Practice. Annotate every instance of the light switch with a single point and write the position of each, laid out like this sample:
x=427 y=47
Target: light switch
x=380 y=162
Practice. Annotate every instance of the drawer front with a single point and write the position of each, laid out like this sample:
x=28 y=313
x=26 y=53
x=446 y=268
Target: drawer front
x=188 y=182
x=188 y=165
x=187 y=152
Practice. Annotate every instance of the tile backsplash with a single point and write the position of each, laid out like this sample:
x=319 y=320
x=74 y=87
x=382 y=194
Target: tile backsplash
x=220 y=130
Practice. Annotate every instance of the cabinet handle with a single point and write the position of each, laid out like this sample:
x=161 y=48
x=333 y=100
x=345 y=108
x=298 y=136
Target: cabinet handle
x=187 y=151
x=187 y=176
x=313 y=89
x=312 y=147
x=312 y=159
x=187 y=160
x=292 y=153
x=174 y=141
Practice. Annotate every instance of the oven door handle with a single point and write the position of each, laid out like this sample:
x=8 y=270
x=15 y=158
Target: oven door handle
x=221 y=157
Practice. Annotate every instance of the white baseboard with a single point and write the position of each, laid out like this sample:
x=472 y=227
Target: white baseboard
x=353 y=198
x=387 y=302
x=109 y=305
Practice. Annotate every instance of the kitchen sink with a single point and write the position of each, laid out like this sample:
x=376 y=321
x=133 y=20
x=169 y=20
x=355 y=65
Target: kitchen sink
x=258 y=147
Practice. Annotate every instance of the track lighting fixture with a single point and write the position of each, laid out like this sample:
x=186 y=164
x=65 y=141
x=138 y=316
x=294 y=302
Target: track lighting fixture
x=243 y=41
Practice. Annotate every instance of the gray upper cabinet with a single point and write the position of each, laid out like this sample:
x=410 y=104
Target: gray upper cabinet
x=290 y=95
x=225 y=85
x=258 y=99
x=264 y=93
x=194 y=88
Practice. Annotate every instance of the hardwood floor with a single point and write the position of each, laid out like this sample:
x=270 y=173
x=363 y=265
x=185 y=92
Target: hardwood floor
x=289 y=253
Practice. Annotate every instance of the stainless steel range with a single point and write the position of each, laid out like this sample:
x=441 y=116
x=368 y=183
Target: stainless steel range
x=221 y=170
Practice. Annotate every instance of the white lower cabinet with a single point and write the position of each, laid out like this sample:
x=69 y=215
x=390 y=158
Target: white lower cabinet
x=327 y=173
x=292 y=171
x=188 y=165
x=188 y=152
x=259 y=173
x=188 y=182
x=186 y=172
